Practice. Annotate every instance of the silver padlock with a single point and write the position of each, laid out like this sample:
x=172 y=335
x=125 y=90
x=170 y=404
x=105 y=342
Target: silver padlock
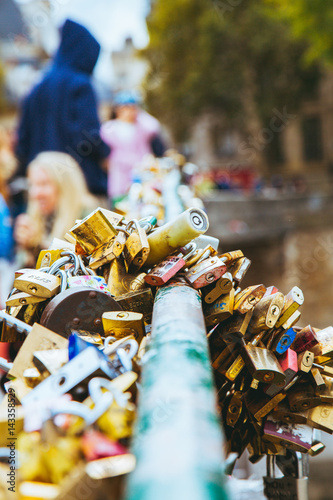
x=293 y=485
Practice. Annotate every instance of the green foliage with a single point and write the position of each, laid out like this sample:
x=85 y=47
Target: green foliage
x=312 y=21
x=202 y=54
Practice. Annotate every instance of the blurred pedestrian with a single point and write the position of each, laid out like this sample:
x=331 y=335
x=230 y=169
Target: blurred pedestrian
x=57 y=196
x=7 y=168
x=60 y=114
x=131 y=135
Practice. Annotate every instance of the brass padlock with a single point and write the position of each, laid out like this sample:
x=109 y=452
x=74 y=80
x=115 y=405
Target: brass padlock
x=235 y=327
x=108 y=251
x=305 y=361
x=266 y=313
x=289 y=366
x=302 y=397
x=38 y=283
x=239 y=268
x=261 y=405
x=120 y=324
x=48 y=257
x=136 y=248
x=22 y=299
x=292 y=301
x=222 y=286
x=220 y=310
x=263 y=365
x=119 y=282
x=96 y=229
x=246 y=299
x=140 y=301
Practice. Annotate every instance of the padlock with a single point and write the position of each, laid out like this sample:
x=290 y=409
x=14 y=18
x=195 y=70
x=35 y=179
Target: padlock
x=119 y=282
x=95 y=229
x=239 y=268
x=235 y=327
x=317 y=381
x=175 y=234
x=289 y=366
x=263 y=365
x=235 y=406
x=246 y=299
x=76 y=372
x=22 y=299
x=109 y=250
x=50 y=360
x=297 y=437
x=169 y=267
x=48 y=257
x=302 y=397
x=305 y=361
x=220 y=310
x=260 y=404
x=231 y=257
x=123 y=323
x=325 y=338
x=283 y=341
x=136 y=249
x=200 y=254
x=292 y=301
x=38 y=283
x=78 y=308
x=305 y=340
x=321 y=417
x=237 y=366
x=222 y=286
x=316 y=446
x=270 y=290
x=266 y=313
x=97 y=282
x=140 y=301
x=205 y=272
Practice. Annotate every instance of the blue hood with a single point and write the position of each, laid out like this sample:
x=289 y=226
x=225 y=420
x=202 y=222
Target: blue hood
x=78 y=48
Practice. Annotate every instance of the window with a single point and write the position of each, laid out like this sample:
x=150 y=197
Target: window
x=312 y=139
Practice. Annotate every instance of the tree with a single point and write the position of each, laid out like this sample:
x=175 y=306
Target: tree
x=311 y=21
x=209 y=57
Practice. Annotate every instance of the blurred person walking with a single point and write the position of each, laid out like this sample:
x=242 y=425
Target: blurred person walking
x=7 y=168
x=60 y=114
x=131 y=135
x=57 y=196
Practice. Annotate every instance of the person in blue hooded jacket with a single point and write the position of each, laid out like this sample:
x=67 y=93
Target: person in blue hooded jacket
x=60 y=114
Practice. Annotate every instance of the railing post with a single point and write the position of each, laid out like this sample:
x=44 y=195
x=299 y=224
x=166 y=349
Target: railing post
x=178 y=440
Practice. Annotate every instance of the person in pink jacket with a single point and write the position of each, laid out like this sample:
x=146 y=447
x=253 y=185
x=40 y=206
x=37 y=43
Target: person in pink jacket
x=131 y=135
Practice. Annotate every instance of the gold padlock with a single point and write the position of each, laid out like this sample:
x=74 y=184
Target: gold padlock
x=292 y=301
x=266 y=313
x=48 y=257
x=263 y=365
x=121 y=282
x=22 y=299
x=220 y=310
x=140 y=301
x=38 y=283
x=108 y=251
x=136 y=250
x=95 y=229
x=120 y=324
x=246 y=299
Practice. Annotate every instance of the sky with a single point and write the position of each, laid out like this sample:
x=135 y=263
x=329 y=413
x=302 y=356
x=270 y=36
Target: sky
x=110 y=21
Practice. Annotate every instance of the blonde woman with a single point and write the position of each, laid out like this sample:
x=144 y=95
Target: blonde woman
x=57 y=196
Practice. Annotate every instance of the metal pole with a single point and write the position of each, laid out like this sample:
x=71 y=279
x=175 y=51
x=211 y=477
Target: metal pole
x=178 y=440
